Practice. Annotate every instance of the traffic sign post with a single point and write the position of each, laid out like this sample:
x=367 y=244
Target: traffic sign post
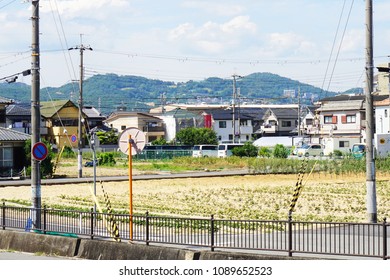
x=131 y=141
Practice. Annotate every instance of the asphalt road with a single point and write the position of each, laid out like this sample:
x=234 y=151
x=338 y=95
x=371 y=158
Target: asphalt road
x=27 y=182
x=27 y=256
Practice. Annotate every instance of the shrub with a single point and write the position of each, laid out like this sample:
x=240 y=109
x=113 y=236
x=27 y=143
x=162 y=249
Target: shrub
x=337 y=153
x=68 y=152
x=106 y=159
x=265 y=152
x=247 y=150
x=281 y=151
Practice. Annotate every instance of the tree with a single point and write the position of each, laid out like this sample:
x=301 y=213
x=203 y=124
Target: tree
x=160 y=141
x=197 y=136
x=107 y=138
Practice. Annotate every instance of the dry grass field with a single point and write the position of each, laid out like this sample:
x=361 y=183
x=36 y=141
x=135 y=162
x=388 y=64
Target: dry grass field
x=323 y=197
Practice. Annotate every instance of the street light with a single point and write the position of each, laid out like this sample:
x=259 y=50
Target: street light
x=14 y=77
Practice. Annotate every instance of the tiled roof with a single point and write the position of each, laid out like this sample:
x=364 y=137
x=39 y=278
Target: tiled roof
x=50 y=108
x=92 y=112
x=345 y=97
x=242 y=113
x=12 y=135
x=124 y=114
x=4 y=100
x=284 y=112
x=15 y=110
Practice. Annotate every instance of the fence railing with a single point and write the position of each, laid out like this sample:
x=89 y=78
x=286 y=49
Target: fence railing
x=292 y=237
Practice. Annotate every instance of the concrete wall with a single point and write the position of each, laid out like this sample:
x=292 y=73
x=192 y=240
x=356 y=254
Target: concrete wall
x=110 y=250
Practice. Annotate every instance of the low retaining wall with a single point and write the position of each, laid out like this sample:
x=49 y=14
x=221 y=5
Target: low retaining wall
x=38 y=243
x=109 y=250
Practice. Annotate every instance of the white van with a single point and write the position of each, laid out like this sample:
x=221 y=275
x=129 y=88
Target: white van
x=225 y=150
x=205 y=151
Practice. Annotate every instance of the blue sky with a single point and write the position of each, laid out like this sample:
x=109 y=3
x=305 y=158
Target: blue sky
x=195 y=39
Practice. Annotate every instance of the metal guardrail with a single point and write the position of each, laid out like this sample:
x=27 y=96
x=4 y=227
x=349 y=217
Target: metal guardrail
x=324 y=238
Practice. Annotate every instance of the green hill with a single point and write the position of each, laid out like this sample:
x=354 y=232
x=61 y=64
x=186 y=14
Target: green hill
x=134 y=93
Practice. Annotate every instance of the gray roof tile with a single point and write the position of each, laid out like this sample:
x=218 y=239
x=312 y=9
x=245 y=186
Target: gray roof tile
x=12 y=135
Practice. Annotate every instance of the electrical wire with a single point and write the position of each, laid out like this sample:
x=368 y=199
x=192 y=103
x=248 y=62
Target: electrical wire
x=341 y=42
x=333 y=45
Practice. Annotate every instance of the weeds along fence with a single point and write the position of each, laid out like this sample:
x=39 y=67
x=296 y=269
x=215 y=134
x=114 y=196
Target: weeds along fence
x=329 y=166
x=288 y=236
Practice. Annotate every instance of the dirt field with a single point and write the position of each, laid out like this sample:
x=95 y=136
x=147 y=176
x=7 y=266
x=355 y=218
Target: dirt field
x=323 y=198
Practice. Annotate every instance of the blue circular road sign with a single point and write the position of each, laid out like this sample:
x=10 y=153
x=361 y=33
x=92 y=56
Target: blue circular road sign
x=39 y=151
x=73 y=138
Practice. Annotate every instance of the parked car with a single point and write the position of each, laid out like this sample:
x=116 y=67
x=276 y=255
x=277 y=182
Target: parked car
x=205 y=151
x=311 y=150
x=225 y=150
x=90 y=163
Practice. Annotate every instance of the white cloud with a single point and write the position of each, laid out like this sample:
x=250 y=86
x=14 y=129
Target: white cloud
x=97 y=9
x=353 y=41
x=217 y=9
x=287 y=44
x=211 y=37
x=239 y=24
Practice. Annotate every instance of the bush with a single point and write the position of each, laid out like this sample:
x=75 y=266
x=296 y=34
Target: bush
x=68 y=152
x=247 y=150
x=281 y=151
x=337 y=153
x=106 y=159
x=265 y=152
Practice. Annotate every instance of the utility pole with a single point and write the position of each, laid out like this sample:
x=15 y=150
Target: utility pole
x=239 y=114
x=163 y=103
x=234 y=106
x=82 y=48
x=299 y=111
x=370 y=163
x=35 y=115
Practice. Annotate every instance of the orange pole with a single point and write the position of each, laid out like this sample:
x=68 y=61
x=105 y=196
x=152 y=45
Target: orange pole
x=130 y=191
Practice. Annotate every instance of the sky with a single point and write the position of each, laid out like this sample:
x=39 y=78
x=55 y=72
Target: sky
x=321 y=43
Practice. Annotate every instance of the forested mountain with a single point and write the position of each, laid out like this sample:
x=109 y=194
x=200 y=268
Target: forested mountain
x=133 y=93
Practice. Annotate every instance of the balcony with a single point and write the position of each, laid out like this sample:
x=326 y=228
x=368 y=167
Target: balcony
x=269 y=128
x=153 y=128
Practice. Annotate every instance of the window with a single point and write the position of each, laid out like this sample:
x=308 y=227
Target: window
x=343 y=144
x=123 y=127
x=243 y=123
x=351 y=118
x=348 y=119
x=6 y=157
x=222 y=124
x=286 y=123
x=230 y=136
x=330 y=119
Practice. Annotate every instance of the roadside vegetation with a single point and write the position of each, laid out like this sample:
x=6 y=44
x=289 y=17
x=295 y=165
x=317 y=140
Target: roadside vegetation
x=333 y=188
